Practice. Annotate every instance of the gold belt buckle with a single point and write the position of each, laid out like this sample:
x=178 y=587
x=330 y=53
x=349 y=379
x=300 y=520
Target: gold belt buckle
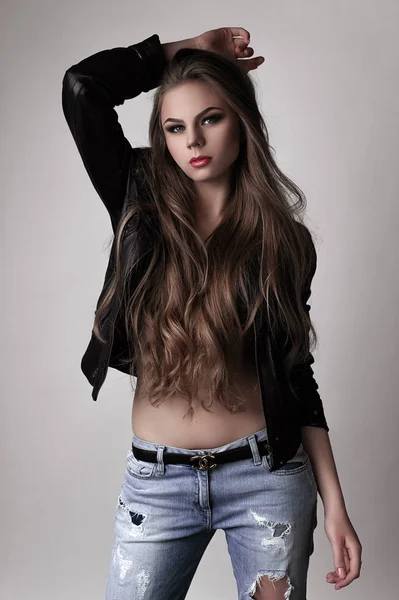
x=203 y=464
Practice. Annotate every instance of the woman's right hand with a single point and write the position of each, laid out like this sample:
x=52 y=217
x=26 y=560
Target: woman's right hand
x=222 y=41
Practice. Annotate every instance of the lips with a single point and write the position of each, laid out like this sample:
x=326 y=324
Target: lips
x=199 y=158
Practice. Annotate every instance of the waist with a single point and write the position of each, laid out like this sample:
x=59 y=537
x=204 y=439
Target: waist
x=166 y=423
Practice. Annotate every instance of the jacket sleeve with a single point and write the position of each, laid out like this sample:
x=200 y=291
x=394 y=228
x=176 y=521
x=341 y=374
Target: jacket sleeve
x=302 y=376
x=90 y=91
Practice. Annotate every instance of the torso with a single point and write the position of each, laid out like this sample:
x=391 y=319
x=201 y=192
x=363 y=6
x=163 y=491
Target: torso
x=165 y=424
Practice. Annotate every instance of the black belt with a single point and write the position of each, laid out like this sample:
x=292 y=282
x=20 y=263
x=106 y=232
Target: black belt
x=203 y=461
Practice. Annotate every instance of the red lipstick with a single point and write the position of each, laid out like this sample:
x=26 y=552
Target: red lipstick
x=200 y=161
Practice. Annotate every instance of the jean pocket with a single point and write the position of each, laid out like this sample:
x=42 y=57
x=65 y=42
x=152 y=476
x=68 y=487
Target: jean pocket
x=298 y=463
x=139 y=468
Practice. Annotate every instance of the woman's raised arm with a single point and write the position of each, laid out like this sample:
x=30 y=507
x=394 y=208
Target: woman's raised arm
x=90 y=91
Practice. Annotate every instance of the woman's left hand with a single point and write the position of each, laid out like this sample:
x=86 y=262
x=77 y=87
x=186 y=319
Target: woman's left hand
x=346 y=547
x=225 y=40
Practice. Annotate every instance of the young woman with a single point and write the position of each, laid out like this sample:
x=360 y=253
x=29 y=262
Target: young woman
x=205 y=302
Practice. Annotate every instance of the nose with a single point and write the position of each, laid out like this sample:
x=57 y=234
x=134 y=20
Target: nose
x=194 y=139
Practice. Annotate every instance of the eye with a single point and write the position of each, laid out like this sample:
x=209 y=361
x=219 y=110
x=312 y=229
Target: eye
x=215 y=118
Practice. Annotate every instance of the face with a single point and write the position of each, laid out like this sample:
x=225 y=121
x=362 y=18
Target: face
x=191 y=128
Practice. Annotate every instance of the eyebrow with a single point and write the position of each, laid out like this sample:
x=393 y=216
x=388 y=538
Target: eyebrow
x=199 y=114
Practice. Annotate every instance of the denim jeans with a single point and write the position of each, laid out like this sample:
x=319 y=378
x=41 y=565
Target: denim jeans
x=168 y=513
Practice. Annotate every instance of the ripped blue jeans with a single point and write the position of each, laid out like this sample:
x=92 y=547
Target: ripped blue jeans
x=168 y=513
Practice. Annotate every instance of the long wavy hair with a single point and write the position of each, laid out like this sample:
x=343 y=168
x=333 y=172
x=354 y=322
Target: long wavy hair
x=196 y=299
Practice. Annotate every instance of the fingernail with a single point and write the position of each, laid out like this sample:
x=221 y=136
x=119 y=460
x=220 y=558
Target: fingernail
x=341 y=573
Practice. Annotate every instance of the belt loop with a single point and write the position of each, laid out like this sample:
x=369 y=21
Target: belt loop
x=160 y=468
x=254 y=448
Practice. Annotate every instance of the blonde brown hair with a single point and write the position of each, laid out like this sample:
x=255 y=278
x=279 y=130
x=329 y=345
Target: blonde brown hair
x=196 y=299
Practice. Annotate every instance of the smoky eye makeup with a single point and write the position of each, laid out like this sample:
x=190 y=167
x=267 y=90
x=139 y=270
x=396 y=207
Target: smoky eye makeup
x=213 y=118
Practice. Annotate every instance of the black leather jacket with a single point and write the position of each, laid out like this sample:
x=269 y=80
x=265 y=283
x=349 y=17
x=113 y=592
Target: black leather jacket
x=90 y=91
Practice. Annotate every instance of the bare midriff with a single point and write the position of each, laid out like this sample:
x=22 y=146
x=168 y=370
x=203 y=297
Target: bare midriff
x=165 y=424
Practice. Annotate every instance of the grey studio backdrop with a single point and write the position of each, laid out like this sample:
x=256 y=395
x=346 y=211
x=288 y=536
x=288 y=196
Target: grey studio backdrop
x=329 y=93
